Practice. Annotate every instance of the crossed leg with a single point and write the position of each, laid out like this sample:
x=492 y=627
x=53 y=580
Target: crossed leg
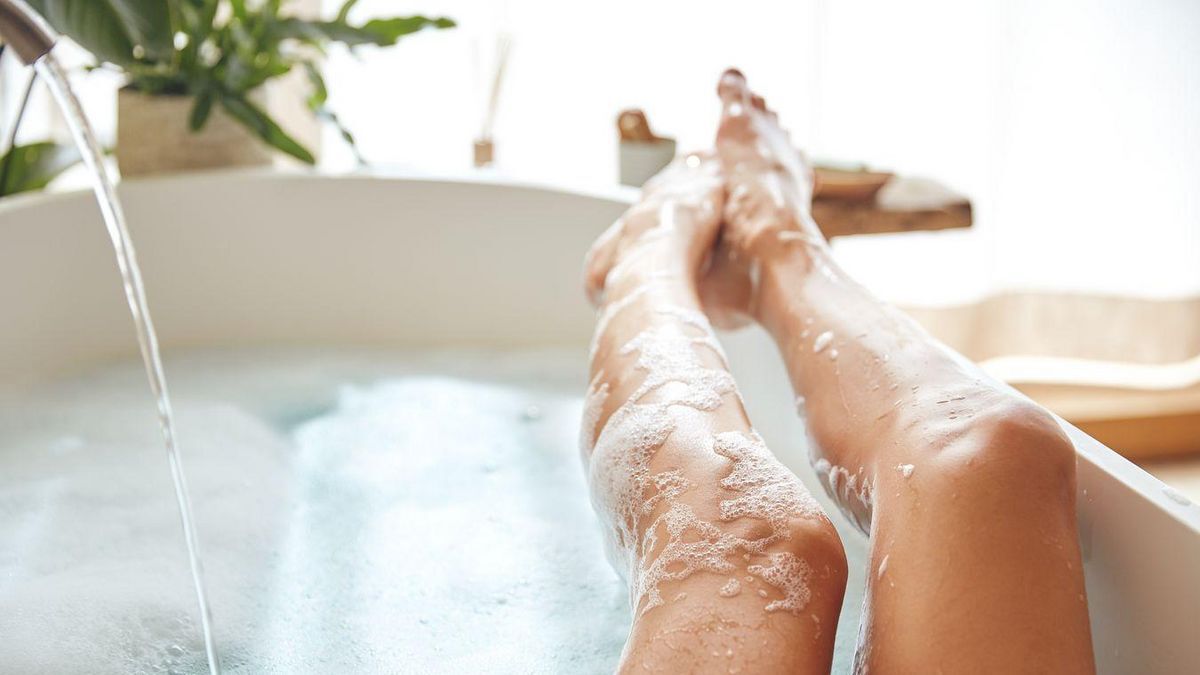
x=731 y=565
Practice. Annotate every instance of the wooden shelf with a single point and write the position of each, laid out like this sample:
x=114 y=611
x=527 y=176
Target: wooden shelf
x=1138 y=424
x=904 y=204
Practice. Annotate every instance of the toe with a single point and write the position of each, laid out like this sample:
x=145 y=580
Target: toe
x=732 y=88
x=735 y=129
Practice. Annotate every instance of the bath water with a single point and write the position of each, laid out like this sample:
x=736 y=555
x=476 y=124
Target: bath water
x=114 y=219
x=363 y=513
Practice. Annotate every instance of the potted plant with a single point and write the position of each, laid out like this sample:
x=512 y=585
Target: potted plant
x=196 y=71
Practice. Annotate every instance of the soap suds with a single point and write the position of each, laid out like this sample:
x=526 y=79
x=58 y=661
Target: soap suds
x=854 y=496
x=731 y=588
x=1176 y=496
x=790 y=575
x=822 y=342
x=692 y=317
x=905 y=469
x=665 y=354
x=326 y=481
x=769 y=492
x=676 y=543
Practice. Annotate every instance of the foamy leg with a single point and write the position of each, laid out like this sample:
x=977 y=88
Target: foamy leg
x=731 y=564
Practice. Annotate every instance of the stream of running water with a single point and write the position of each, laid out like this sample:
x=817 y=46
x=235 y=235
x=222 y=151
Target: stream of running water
x=114 y=220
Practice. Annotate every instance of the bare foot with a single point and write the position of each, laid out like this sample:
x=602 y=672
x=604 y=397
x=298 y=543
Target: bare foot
x=769 y=181
x=769 y=186
x=670 y=230
x=767 y=217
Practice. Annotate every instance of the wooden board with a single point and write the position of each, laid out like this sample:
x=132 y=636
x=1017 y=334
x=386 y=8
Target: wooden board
x=904 y=204
x=1138 y=424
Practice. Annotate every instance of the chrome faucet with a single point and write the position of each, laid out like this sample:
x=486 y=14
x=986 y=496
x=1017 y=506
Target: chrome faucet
x=23 y=30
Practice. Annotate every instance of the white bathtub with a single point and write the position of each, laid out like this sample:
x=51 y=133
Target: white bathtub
x=269 y=259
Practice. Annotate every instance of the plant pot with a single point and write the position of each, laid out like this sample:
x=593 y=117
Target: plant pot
x=153 y=137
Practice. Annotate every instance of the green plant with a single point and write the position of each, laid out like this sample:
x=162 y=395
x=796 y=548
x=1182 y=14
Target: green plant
x=218 y=51
x=32 y=166
x=24 y=168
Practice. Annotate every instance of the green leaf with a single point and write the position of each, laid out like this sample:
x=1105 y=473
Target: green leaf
x=391 y=30
x=316 y=103
x=33 y=166
x=201 y=109
x=320 y=94
x=111 y=29
x=196 y=17
x=329 y=116
x=239 y=9
x=381 y=32
x=257 y=121
x=344 y=12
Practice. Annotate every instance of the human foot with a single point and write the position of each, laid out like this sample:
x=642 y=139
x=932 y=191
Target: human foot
x=768 y=181
x=769 y=193
x=669 y=232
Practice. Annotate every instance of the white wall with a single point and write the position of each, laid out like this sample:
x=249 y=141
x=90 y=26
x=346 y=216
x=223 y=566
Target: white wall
x=1072 y=124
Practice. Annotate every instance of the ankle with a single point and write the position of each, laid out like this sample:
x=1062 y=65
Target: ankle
x=785 y=269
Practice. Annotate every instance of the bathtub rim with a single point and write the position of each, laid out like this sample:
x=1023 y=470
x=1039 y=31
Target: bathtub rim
x=1095 y=453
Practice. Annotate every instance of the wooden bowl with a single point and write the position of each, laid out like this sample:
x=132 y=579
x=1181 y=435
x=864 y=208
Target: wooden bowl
x=848 y=185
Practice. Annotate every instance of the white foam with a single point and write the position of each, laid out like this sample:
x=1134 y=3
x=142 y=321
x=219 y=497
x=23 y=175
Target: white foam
x=1176 y=496
x=676 y=543
x=852 y=494
x=666 y=355
x=769 y=492
x=692 y=317
x=731 y=588
x=325 y=483
x=823 y=340
x=905 y=469
x=790 y=575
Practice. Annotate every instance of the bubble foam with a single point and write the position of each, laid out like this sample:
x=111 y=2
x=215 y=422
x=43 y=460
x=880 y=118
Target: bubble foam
x=654 y=536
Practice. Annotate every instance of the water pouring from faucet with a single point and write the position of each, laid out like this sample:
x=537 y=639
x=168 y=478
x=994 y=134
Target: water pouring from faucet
x=33 y=42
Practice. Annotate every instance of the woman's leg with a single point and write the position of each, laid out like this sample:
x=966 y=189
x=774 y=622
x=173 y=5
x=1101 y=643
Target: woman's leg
x=731 y=565
x=968 y=491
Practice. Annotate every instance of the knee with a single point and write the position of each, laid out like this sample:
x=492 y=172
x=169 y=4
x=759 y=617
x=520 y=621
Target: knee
x=1015 y=445
x=816 y=542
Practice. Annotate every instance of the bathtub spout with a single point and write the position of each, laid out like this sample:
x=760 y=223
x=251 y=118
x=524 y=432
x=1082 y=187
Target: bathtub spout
x=24 y=31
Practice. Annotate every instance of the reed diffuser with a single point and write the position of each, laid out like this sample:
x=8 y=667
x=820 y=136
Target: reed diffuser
x=485 y=147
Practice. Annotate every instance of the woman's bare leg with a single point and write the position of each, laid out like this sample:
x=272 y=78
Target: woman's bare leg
x=968 y=491
x=731 y=564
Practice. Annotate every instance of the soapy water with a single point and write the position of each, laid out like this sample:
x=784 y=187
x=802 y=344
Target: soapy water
x=363 y=513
